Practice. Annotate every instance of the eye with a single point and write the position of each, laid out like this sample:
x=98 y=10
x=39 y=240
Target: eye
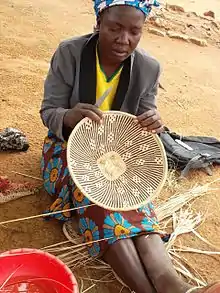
x=136 y=32
x=114 y=29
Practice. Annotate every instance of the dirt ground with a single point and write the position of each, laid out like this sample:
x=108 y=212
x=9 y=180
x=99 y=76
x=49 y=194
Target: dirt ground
x=29 y=33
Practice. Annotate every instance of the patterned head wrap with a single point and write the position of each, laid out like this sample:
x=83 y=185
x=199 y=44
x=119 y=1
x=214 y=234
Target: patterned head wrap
x=144 y=5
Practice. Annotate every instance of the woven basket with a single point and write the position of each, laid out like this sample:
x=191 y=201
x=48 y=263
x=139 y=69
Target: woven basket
x=117 y=165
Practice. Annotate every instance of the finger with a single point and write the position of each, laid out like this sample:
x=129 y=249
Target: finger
x=157 y=124
x=93 y=109
x=149 y=121
x=91 y=114
x=146 y=115
x=158 y=130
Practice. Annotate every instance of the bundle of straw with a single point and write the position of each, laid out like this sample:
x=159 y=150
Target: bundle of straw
x=183 y=222
x=177 y=201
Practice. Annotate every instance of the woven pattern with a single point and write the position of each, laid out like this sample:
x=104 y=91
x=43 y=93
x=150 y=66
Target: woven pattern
x=116 y=164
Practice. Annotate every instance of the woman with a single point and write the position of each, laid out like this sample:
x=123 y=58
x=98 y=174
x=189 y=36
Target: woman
x=81 y=70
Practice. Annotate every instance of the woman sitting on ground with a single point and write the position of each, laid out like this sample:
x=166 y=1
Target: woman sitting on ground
x=81 y=70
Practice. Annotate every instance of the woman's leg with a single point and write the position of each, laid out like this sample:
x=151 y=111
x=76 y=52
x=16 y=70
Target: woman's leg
x=122 y=256
x=158 y=265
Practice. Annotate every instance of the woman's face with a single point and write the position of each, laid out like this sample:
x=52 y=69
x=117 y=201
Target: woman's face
x=120 y=30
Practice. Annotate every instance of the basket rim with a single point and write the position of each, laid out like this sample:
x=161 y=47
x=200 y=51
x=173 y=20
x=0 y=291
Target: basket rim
x=77 y=183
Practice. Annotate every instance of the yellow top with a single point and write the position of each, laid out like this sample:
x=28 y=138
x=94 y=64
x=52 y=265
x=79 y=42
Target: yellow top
x=103 y=83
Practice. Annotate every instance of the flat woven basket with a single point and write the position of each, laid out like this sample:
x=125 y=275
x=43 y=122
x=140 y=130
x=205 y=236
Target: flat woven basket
x=116 y=165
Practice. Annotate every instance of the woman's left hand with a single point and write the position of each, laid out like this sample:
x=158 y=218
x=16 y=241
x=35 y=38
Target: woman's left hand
x=150 y=121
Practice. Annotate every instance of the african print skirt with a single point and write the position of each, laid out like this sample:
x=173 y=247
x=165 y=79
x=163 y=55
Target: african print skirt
x=95 y=223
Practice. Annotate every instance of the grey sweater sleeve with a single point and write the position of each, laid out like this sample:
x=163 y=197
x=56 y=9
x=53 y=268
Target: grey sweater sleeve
x=57 y=90
x=148 y=97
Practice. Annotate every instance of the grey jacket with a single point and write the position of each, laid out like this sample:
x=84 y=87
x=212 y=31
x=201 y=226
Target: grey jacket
x=62 y=85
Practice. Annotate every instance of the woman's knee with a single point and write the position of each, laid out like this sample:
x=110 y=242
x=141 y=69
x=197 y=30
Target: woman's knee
x=147 y=243
x=122 y=256
x=119 y=250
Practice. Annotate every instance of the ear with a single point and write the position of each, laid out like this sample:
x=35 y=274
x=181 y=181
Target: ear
x=96 y=28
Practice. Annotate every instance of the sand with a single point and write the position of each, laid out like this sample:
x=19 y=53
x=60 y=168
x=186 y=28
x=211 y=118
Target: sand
x=30 y=32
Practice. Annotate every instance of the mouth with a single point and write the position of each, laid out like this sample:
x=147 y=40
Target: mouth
x=119 y=54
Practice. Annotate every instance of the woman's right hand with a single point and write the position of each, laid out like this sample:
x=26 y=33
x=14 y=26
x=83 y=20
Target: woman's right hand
x=80 y=111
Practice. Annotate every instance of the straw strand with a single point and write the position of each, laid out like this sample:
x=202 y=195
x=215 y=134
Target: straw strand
x=28 y=176
x=9 y=277
x=88 y=289
x=194 y=250
x=43 y=215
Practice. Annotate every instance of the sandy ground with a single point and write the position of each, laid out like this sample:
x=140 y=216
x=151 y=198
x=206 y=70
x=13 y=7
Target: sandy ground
x=29 y=33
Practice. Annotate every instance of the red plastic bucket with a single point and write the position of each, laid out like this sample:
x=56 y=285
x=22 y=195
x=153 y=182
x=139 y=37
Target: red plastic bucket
x=34 y=271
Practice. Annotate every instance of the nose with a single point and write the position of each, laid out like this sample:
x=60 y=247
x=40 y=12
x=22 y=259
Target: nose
x=123 y=38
